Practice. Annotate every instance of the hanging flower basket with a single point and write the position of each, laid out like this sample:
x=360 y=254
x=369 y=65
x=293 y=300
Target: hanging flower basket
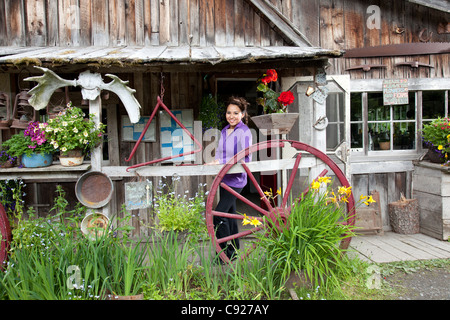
x=275 y=123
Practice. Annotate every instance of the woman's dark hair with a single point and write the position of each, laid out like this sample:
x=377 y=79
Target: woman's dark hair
x=241 y=103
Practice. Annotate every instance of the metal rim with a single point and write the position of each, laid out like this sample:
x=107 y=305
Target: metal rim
x=5 y=231
x=88 y=198
x=274 y=213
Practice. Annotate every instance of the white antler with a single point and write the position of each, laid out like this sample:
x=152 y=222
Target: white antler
x=126 y=95
x=47 y=84
x=91 y=85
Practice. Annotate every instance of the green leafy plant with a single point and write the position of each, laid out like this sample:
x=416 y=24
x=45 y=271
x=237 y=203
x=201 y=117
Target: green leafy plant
x=177 y=212
x=32 y=140
x=211 y=113
x=71 y=130
x=11 y=195
x=308 y=244
x=436 y=135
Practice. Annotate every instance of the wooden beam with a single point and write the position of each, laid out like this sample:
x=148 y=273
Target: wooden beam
x=280 y=22
x=206 y=170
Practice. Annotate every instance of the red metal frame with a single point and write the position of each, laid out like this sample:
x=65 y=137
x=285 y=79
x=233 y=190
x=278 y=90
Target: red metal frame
x=5 y=231
x=162 y=105
x=275 y=214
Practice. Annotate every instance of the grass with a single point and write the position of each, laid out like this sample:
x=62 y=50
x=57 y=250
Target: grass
x=48 y=255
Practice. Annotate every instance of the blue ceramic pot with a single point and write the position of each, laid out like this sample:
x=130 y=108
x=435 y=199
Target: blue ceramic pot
x=37 y=160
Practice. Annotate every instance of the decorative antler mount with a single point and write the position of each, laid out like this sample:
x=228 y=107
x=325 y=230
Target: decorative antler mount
x=91 y=86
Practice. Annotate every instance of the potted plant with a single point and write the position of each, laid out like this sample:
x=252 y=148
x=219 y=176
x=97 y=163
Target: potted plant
x=276 y=119
x=32 y=146
x=211 y=112
x=384 y=140
x=73 y=135
x=6 y=160
x=436 y=137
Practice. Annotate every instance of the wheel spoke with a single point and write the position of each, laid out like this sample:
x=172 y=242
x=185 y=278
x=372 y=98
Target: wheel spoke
x=257 y=186
x=291 y=180
x=243 y=199
x=227 y=215
x=305 y=192
x=239 y=235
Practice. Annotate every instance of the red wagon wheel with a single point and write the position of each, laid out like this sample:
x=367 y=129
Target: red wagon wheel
x=5 y=231
x=273 y=213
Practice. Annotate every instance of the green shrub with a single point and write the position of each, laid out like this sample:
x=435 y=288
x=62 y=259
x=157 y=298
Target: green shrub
x=309 y=242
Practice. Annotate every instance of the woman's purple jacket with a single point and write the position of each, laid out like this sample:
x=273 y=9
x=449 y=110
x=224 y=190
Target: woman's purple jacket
x=229 y=146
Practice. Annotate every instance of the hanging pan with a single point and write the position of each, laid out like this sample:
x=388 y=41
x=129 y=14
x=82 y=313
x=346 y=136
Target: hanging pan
x=94 y=189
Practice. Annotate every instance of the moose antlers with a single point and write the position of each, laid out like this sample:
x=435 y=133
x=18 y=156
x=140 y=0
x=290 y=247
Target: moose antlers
x=91 y=85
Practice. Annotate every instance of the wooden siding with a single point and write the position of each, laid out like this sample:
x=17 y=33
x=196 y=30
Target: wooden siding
x=133 y=22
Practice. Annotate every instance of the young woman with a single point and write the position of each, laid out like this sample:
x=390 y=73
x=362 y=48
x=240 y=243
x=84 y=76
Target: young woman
x=235 y=136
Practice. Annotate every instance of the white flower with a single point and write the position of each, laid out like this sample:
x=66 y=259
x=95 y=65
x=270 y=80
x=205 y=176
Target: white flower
x=75 y=130
x=85 y=133
x=64 y=123
x=63 y=149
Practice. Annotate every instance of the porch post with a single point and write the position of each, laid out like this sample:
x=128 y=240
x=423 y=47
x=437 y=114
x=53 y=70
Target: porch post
x=95 y=108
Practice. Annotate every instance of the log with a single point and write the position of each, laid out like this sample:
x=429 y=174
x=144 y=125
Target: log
x=404 y=216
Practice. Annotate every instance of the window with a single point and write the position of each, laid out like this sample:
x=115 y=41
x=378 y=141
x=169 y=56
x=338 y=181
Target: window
x=377 y=127
x=336 y=120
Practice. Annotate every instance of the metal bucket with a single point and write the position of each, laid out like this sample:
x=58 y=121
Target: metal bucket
x=94 y=189
x=37 y=160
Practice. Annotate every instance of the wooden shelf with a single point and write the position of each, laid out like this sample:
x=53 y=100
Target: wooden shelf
x=54 y=172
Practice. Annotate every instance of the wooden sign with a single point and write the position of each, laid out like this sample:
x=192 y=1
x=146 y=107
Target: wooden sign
x=138 y=195
x=395 y=91
x=132 y=131
x=174 y=141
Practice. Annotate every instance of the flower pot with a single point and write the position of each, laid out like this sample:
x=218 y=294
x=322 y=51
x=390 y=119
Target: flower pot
x=7 y=164
x=71 y=158
x=385 y=145
x=37 y=160
x=275 y=123
x=435 y=156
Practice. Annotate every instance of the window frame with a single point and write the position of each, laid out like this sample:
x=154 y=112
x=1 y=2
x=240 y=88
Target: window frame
x=417 y=85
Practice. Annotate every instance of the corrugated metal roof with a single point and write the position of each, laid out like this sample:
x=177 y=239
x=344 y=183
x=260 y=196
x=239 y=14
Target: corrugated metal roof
x=158 y=54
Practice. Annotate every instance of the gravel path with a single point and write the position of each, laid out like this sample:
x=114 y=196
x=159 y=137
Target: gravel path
x=421 y=285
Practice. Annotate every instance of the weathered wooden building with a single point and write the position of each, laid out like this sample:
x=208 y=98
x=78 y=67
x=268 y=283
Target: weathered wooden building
x=184 y=50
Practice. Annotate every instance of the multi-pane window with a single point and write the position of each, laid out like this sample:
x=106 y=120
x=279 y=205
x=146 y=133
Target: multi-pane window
x=378 y=127
x=336 y=120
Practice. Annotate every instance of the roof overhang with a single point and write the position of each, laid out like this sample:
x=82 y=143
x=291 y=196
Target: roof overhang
x=145 y=56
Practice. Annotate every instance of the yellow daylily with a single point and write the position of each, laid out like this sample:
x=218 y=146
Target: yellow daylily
x=345 y=190
x=369 y=201
x=255 y=222
x=246 y=220
x=315 y=185
x=324 y=180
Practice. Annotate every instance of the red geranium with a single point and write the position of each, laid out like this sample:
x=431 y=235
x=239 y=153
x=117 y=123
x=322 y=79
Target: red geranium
x=272 y=101
x=271 y=76
x=286 y=98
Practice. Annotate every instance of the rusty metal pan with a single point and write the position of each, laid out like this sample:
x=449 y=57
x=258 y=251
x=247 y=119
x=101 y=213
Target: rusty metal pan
x=94 y=189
